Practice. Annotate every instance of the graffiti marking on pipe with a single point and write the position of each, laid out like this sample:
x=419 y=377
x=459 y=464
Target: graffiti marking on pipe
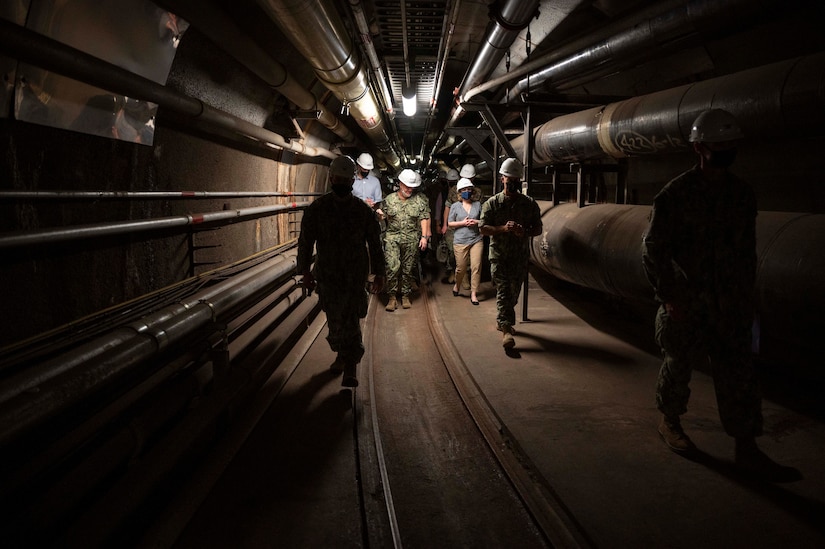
x=634 y=142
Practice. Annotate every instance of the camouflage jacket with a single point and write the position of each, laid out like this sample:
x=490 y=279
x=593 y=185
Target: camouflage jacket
x=701 y=242
x=498 y=210
x=404 y=216
x=347 y=237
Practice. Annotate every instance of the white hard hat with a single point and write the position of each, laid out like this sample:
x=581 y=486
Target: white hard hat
x=714 y=126
x=417 y=179
x=463 y=183
x=407 y=177
x=452 y=175
x=468 y=171
x=365 y=161
x=342 y=166
x=512 y=168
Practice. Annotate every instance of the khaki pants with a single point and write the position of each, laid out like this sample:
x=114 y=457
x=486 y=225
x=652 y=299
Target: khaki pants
x=473 y=252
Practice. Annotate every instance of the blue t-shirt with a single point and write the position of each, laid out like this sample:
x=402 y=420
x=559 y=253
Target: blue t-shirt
x=465 y=235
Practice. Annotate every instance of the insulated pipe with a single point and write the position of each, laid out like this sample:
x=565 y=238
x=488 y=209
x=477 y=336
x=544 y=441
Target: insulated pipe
x=220 y=30
x=77 y=232
x=645 y=37
x=315 y=28
x=513 y=16
x=49 y=54
x=784 y=98
x=93 y=350
x=600 y=247
x=22 y=410
x=363 y=27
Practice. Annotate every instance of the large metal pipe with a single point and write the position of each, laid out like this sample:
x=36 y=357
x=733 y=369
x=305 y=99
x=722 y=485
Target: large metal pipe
x=505 y=26
x=781 y=99
x=600 y=247
x=77 y=232
x=366 y=40
x=22 y=409
x=220 y=29
x=49 y=54
x=316 y=30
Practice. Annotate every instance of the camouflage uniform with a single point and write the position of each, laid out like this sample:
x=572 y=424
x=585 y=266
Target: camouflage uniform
x=509 y=254
x=700 y=255
x=347 y=237
x=402 y=238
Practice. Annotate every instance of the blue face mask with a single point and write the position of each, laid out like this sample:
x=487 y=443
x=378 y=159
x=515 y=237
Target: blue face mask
x=466 y=194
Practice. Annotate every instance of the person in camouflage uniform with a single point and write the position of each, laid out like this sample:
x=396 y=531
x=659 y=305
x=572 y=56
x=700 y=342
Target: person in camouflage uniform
x=348 y=240
x=408 y=215
x=700 y=257
x=509 y=218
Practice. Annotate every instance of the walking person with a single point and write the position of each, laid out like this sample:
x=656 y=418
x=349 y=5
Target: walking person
x=366 y=186
x=408 y=215
x=509 y=218
x=444 y=228
x=468 y=243
x=345 y=234
x=700 y=256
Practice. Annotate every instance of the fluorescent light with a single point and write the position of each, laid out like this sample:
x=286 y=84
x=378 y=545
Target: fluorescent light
x=409 y=100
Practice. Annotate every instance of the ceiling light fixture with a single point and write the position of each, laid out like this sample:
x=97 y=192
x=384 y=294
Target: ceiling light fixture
x=409 y=100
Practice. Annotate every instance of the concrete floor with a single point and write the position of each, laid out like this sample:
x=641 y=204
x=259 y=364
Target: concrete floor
x=577 y=397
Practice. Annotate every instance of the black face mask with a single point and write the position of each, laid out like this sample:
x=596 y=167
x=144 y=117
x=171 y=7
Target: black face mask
x=363 y=173
x=722 y=159
x=513 y=186
x=342 y=190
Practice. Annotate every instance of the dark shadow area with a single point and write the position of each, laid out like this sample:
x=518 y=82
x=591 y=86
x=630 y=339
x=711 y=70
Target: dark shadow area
x=548 y=345
x=795 y=381
x=806 y=509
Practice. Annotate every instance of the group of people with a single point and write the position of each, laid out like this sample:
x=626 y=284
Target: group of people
x=342 y=227
x=699 y=255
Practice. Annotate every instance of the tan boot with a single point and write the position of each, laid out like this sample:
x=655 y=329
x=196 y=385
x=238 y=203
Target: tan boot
x=350 y=378
x=507 y=340
x=405 y=302
x=671 y=430
x=392 y=304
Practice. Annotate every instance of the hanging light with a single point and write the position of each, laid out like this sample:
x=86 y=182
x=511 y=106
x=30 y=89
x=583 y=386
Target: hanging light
x=409 y=99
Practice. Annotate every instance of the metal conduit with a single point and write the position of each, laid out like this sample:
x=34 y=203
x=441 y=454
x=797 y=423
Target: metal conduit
x=317 y=31
x=781 y=99
x=219 y=28
x=357 y=8
x=97 y=347
x=645 y=37
x=575 y=57
x=153 y=195
x=513 y=16
x=21 y=409
x=600 y=247
x=77 y=232
x=34 y=48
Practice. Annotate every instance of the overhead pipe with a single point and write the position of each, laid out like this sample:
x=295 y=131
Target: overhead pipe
x=34 y=48
x=663 y=24
x=357 y=8
x=600 y=247
x=315 y=28
x=77 y=232
x=783 y=98
x=512 y=17
x=219 y=29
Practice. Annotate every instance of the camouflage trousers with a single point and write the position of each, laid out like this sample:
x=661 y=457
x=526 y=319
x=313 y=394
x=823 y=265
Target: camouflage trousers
x=448 y=237
x=344 y=308
x=508 y=280
x=402 y=260
x=695 y=342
